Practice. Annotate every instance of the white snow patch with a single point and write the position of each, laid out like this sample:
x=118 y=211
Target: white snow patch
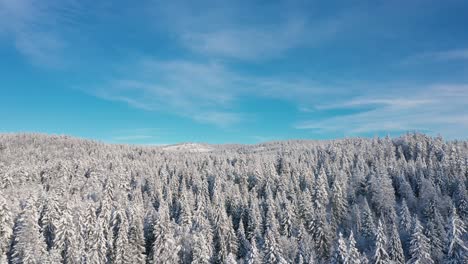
x=189 y=147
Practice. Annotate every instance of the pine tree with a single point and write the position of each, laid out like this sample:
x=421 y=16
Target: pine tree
x=395 y=250
x=435 y=232
x=419 y=246
x=271 y=251
x=340 y=252
x=97 y=244
x=321 y=235
x=457 y=251
x=380 y=253
x=368 y=230
x=49 y=219
x=201 y=253
x=243 y=243
x=405 y=217
x=136 y=241
x=6 y=230
x=28 y=244
x=66 y=239
x=354 y=257
x=253 y=257
x=287 y=220
x=338 y=201
x=122 y=252
x=165 y=248
x=320 y=194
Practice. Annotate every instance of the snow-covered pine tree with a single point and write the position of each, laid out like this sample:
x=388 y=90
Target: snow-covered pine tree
x=165 y=247
x=6 y=229
x=243 y=243
x=457 y=251
x=368 y=230
x=49 y=218
x=122 y=252
x=287 y=220
x=419 y=246
x=405 y=217
x=253 y=255
x=201 y=251
x=28 y=243
x=395 y=250
x=136 y=240
x=340 y=251
x=354 y=257
x=380 y=255
x=338 y=200
x=434 y=231
x=271 y=251
x=97 y=250
x=66 y=239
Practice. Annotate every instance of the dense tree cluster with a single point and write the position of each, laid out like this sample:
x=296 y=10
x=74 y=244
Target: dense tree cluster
x=380 y=200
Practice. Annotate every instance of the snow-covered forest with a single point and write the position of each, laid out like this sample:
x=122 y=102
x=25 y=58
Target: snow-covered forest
x=380 y=200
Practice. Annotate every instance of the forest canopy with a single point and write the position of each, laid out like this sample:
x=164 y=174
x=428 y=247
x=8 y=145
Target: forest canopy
x=356 y=200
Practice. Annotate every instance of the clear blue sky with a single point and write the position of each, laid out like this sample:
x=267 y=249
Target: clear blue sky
x=162 y=72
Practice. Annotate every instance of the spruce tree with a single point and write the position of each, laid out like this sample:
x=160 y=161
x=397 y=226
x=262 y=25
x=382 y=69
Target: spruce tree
x=28 y=243
x=395 y=249
x=6 y=228
x=380 y=255
x=457 y=251
x=340 y=251
x=271 y=251
x=354 y=257
x=419 y=246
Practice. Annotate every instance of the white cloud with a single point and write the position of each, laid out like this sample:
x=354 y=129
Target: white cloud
x=235 y=31
x=435 y=109
x=201 y=91
x=34 y=28
x=205 y=92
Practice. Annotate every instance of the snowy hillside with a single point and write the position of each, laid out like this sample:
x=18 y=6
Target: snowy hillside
x=380 y=200
x=189 y=147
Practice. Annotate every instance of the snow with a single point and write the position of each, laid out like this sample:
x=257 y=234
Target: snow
x=189 y=147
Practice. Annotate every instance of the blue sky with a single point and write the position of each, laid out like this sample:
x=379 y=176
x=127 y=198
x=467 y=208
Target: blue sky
x=163 y=72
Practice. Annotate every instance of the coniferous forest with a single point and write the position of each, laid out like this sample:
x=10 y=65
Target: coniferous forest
x=358 y=200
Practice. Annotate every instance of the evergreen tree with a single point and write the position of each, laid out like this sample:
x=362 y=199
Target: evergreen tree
x=354 y=257
x=271 y=251
x=6 y=232
x=419 y=246
x=66 y=239
x=28 y=244
x=201 y=250
x=97 y=244
x=253 y=256
x=122 y=252
x=395 y=249
x=435 y=232
x=165 y=248
x=380 y=255
x=340 y=252
x=368 y=230
x=457 y=251
x=136 y=241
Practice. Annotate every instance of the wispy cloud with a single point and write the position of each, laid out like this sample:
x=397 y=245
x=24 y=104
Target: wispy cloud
x=34 y=28
x=202 y=91
x=232 y=31
x=206 y=92
x=436 y=109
